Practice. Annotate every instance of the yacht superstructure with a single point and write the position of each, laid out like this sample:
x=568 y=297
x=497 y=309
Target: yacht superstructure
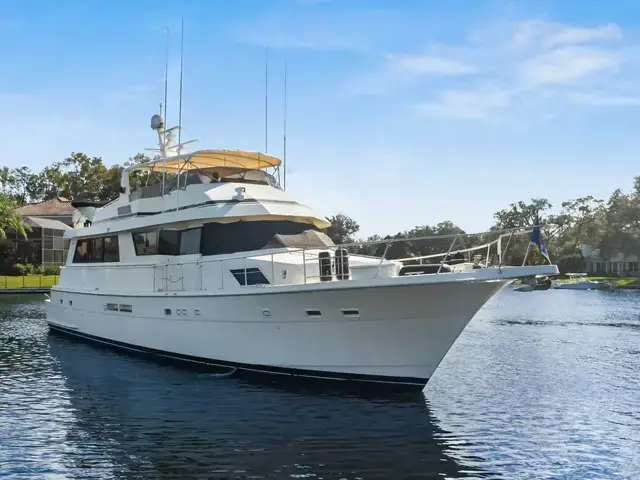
x=213 y=263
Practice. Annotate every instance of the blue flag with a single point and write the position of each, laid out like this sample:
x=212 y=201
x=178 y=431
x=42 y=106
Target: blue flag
x=536 y=239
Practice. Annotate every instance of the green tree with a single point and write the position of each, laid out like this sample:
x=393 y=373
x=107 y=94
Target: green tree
x=620 y=230
x=522 y=214
x=581 y=221
x=342 y=229
x=9 y=219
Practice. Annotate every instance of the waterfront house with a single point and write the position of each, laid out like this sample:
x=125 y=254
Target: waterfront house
x=44 y=244
x=620 y=264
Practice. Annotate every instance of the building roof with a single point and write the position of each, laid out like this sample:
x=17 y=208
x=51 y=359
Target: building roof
x=58 y=206
x=46 y=223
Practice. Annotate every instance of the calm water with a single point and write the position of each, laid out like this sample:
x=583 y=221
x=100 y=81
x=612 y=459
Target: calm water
x=540 y=385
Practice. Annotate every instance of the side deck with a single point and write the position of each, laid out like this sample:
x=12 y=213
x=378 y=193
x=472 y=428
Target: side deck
x=297 y=269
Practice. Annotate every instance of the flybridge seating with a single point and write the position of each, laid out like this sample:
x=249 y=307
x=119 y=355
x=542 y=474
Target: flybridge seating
x=196 y=176
x=202 y=167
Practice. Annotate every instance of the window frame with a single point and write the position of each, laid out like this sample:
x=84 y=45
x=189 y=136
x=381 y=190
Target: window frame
x=199 y=243
x=95 y=245
x=145 y=232
x=165 y=244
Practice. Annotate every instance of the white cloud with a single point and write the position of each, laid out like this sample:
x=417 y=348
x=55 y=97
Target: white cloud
x=596 y=100
x=583 y=35
x=470 y=104
x=428 y=65
x=537 y=33
x=537 y=65
x=318 y=29
x=566 y=64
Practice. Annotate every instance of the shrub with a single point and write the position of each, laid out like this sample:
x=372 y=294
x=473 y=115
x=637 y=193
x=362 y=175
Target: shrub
x=52 y=270
x=571 y=263
x=23 y=269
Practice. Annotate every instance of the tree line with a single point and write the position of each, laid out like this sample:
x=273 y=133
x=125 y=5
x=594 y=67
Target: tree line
x=611 y=225
x=78 y=177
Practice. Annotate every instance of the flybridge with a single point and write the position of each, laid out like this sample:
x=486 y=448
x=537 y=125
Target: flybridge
x=179 y=169
x=179 y=188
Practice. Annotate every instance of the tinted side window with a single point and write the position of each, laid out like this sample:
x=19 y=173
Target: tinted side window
x=219 y=238
x=92 y=250
x=82 y=251
x=146 y=243
x=169 y=242
x=190 y=241
x=111 y=250
x=97 y=249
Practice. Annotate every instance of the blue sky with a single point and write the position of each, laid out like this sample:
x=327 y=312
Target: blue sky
x=400 y=113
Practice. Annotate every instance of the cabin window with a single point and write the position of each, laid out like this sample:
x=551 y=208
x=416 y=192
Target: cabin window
x=146 y=243
x=190 y=241
x=169 y=243
x=111 y=252
x=220 y=238
x=250 y=276
x=101 y=249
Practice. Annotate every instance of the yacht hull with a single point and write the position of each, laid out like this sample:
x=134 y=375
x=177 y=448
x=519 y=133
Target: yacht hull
x=394 y=334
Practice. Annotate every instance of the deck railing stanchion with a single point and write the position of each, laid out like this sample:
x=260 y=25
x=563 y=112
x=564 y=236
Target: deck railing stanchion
x=273 y=271
x=526 y=254
x=503 y=254
x=382 y=259
x=304 y=265
x=245 y=271
x=447 y=254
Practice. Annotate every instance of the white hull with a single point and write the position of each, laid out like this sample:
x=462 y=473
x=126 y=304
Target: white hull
x=388 y=333
x=219 y=266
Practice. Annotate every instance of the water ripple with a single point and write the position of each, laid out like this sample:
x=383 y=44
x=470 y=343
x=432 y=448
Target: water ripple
x=541 y=385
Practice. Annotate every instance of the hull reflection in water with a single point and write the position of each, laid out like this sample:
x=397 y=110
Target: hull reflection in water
x=161 y=422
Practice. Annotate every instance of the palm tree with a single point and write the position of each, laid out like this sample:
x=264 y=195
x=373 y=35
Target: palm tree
x=9 y=219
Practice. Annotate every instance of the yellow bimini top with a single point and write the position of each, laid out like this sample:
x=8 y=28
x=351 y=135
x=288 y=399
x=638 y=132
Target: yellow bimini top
x=221 y=161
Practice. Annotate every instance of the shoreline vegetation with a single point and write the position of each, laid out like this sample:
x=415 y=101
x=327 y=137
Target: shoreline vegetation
x=625 y=283
x=611 y=228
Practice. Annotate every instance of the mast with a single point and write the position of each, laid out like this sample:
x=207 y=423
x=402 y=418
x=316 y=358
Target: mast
x=164 y=137
x=167 y=148
x=266 y=98
x=284 y=138
x=180 y=109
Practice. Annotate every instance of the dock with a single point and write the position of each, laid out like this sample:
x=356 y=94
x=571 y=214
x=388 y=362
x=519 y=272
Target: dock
x=26 y=290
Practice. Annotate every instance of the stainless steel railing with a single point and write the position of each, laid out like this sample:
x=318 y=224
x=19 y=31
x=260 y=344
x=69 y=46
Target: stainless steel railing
x=310 y=260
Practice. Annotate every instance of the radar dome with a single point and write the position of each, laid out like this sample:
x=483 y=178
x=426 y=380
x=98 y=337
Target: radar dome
x=157 y=123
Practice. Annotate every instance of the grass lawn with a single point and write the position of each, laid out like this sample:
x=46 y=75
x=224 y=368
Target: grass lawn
x=32 y=281
x=620 y=281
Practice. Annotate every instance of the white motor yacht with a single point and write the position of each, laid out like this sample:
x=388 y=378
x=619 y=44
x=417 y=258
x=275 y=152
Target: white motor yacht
x=580 y=281
x=215 y=265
